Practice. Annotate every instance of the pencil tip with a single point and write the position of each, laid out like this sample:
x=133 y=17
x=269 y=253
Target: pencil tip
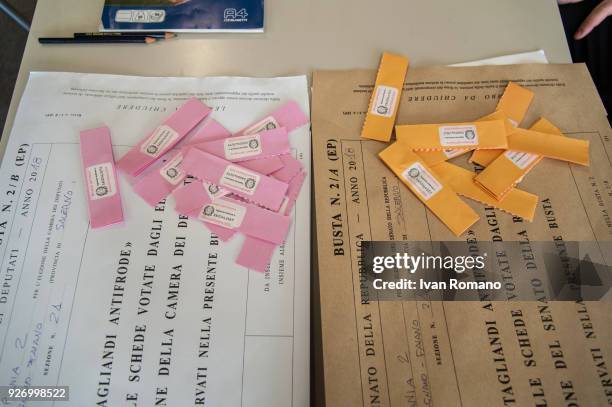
x=150 y=40
x=170 y=35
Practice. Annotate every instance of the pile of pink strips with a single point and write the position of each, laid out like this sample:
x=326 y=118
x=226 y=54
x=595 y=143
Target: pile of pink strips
x=246 y=182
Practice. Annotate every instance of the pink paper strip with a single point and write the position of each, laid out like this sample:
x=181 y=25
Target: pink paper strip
x=212 y=130
x=157 y=184
x=256 y=254
x=291 y=167
x=289 y=116
x=243 y=148
x=159 y=180
x=295 y=186
x=189 y=198
x=266 y=165
x=101 y=182
x=188 y=201
x=224 y=234
x=164 y=137
x=232 y=214
x=250 y=185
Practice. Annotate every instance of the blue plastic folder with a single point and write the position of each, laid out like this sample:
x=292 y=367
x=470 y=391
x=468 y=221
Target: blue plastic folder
x=183 y=15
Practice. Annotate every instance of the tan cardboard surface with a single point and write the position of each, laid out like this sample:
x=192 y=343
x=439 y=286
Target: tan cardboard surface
x=458 y=353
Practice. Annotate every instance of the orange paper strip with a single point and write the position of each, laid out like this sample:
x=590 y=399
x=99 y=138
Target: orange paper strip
x=474 y=135
x=437 y=156
x=432 y=158
x=429 y=188
x=508 y=169
x=385 y=99
x=551 y=146
x=516 y=202
x=513 y=104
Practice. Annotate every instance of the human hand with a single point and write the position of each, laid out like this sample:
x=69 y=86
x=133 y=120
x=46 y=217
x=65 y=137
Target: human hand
x=599 y=13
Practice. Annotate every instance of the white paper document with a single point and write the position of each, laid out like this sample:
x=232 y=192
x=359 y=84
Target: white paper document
x=530 y=57
x=153 y=311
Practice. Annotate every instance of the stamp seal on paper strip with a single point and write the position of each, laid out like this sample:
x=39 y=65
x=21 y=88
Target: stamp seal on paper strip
x=384 y=101
x=170 y=171
x=240 y=179
x=267 y=123
x=458 y=135
x=223 y=213
x=157 y=143
x=101 y=181
x=213 y=190
x=243 y=146
x=520 y=159
x=422 y=180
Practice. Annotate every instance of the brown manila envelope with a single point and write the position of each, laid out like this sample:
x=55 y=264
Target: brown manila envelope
x=422 y=352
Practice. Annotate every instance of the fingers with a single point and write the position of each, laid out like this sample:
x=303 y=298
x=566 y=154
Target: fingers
x=599 y=13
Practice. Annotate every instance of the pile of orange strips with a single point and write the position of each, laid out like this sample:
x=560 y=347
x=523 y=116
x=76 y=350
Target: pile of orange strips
x=420 y=154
